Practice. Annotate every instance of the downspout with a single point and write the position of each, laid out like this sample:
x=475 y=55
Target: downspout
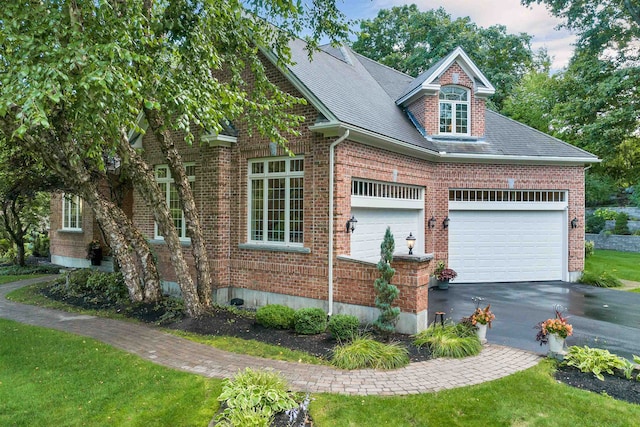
x=331 y=180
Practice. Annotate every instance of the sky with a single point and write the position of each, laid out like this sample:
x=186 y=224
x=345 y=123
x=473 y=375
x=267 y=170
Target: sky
x=534 y=20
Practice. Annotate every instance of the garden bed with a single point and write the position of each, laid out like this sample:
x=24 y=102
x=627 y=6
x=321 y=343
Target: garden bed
x=222 y=322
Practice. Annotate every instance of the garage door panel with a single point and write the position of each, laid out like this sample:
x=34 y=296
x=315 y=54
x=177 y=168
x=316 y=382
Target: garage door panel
x=495 y=246
x=372 y=224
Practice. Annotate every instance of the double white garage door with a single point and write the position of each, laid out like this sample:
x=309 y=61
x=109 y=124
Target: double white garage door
x=507 y=245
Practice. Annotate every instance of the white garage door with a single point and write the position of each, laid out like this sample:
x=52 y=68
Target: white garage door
x=506 y=246
x=372 y=224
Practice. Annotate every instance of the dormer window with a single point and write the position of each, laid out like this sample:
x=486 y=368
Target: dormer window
x=454 y=110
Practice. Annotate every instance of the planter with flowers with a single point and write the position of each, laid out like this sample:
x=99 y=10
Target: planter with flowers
x=94 y=252
x=481 y=319
x=554 y=332
x=443 y=275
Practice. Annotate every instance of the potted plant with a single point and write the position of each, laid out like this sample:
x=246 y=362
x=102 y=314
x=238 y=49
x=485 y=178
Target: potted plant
x=481 y=319
x=554 y=331
x=443 y=275
x=94 y=252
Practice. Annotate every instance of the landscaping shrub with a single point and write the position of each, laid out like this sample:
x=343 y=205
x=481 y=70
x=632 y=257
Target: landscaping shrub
x=449 y=340
x=343 y=326
x=365 y=352
x=599 y=189
x=252 y=398
x=594 y=360
x=310 y=321
x=276 y=316
x=595 y=224
x=111 y=285
x=589 y=248
x=16 y=270
x=606 y=214
x=622 y=224
x=634 y=197
x=386 y=293
x=602 y=280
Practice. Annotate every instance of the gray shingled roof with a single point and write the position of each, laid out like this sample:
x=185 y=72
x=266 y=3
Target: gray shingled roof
x=362 y=93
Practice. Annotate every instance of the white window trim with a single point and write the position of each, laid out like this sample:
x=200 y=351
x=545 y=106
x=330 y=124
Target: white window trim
x=454 y=103
x=265 y=176
x=182 y=233
x=65 y=212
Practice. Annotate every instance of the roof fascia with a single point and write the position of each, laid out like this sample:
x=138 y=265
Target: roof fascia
x=332 y=129
x=467 y=65
x=301 y=87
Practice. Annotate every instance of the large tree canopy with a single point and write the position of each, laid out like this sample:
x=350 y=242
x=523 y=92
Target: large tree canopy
x=410 y=41
x=75 y=75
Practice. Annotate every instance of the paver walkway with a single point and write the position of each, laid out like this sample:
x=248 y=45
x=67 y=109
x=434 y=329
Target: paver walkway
x=165 y=349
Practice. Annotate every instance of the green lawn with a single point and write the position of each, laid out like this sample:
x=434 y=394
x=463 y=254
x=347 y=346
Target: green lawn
x=623 y=265
x=528 y=398
x=9 y=279
x=53 y=378
x=50 y=378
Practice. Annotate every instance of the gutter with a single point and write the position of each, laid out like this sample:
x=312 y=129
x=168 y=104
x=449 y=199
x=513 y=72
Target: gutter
x=331 y=191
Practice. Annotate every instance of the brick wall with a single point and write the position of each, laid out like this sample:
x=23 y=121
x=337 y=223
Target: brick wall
x=426 y=109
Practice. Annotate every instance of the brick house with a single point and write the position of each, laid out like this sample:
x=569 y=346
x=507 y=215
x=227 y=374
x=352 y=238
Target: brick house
x=495 y=199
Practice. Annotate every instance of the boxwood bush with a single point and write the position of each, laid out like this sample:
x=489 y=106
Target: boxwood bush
x=275 y=316
x=343 y=326
x=310 y=321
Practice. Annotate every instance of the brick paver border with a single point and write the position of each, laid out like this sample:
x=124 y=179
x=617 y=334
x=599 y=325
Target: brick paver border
x=165 y=349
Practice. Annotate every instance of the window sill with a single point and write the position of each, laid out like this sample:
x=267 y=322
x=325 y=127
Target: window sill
x=162 y=242
x=274 y=248
x=71 y=230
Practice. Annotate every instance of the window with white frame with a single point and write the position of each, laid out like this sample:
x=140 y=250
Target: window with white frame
x=168 y=187
x=276 y=200
x=71 y=212
x=454 y=110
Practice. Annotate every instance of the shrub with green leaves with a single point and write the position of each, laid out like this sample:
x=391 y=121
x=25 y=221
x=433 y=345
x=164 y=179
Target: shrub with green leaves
x=451 y=340
x=343 y=326
x=111 y=285
x=600 y=280
x=386 y=293
x=594 y=360
x=276 y=316
x=622 y=224
x=365 y=352
x=606 y=214
x=310 y=321
x=589 y=248
x=599 y=189
x=595 y=224
x=252 y=398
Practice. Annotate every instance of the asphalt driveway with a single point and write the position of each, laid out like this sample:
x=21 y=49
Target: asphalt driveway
x=602 y=318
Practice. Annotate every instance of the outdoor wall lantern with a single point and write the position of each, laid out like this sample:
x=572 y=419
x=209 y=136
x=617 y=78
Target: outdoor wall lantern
x=574 y=223
x=445 y=223
x=432 y=222
x=351 y=224
x=411 y=242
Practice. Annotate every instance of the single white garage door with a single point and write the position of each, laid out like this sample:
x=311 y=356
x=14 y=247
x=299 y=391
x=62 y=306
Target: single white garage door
x=506 y=246
x=372 y=224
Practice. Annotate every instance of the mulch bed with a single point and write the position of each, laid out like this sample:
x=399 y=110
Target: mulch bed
x=224 y=323
x=613 y=385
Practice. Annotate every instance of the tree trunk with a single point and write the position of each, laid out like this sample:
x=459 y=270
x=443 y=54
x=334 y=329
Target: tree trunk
x=192 y=221
x=144 y=180
x=103 y=212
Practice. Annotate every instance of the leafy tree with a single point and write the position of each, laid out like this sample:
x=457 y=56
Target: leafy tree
x=411 y=41
x=386 y=292
x=24 y=201
x=599 y=189
x=611 y=27
x=76 y=74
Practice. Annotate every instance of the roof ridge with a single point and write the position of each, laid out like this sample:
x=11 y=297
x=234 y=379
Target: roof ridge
x=380 y=63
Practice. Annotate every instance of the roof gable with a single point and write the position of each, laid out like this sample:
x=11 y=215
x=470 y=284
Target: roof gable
x=427 y=82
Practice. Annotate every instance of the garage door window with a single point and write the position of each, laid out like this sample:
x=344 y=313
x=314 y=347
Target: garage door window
x=506 y=196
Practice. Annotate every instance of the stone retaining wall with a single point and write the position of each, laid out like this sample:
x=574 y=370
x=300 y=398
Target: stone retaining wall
x=615 y=242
